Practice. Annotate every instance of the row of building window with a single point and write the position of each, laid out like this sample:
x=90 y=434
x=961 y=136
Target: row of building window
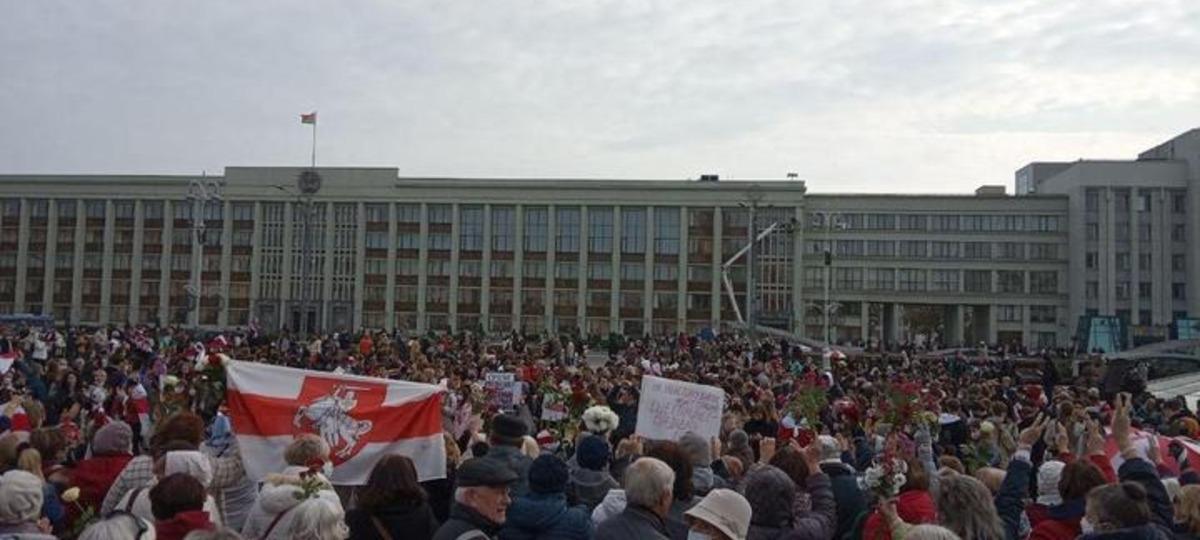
x=1123 y=289
x=936 y=249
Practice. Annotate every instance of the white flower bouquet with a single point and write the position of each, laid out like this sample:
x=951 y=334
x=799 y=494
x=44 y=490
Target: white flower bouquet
x=600 y=419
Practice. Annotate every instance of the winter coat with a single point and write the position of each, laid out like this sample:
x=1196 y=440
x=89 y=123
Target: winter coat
x=589 y=487
x=817 y=524
x=1062 y=521
x=140 y=506
x=466 y=524
x=280 y=494
x=399 y=520
x=1143 y=472
x=441 y=494
x=914 y=507
x=612 y=506
x=24 y=531
x=677 y=527
x=94 y=476
x=516 y=462
x=1010 y=499
x=546 y=517
x=183 y=523
x=850 y=499
x=1151 y=531
x=633 y=522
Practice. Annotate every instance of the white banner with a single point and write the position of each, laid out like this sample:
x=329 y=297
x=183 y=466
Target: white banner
x=668 y=409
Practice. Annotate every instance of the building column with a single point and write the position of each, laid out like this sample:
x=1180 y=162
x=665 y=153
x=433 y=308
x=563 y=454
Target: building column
x=797 y=269
x=953 y=317
x=423 y=271
x=164 y=264
x=985 y=324
x=1026 y=326
x=648 y=283
x=551 y=270
x=23 y=257
x=518 y=246
x=226 y=264
x=1193 y=251
x=485 y=277
x=891 y=322
x=582 y=278
x=864 y=324
x=455 y=231
x=106 y=272
x=681 y=283
x=325 y=299
x=717 y=271
x=256 y=262
x=614 y=297
x=50 y=266
x=389 y=295
x=291 y=258
x=360 y=263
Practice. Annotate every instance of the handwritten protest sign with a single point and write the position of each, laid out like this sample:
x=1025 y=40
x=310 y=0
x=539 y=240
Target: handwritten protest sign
x=670 y=408
x=503 y=390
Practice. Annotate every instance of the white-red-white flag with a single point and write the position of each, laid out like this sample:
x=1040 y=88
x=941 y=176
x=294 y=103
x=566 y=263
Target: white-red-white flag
x=362 y=419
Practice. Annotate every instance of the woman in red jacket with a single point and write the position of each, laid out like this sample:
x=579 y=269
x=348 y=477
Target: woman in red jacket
x=112 y=448
x=1062 y=521
x=914 y=505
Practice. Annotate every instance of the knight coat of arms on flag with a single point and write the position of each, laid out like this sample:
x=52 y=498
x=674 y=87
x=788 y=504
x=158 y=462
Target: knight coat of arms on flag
x=362 y=419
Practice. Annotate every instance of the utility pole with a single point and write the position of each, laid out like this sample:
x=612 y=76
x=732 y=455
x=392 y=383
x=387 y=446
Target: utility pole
x=200 y=192
x=308 y=183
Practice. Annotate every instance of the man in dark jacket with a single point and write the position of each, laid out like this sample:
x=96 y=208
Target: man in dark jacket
x=851 y=502
x=506 y=437
x=480 y=501
x=544 y=513
x=648 y=497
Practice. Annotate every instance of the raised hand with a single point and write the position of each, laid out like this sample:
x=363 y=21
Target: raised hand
x=1121 y=424
x=1030 y=435
x=766 y=449
x=1095 y=439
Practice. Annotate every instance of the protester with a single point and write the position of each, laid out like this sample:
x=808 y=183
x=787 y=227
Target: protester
x=120 y=526
x=591 y=481
x=481 y=500
x=506 y=437
x=544 y=512
x=649 y=496
x=21 y=496
x=275 y=509
x=177 y=502
x=392 y=505
x=723 y=514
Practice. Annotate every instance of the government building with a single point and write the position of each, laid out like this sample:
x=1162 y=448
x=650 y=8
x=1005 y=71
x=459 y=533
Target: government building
x=1082 y=252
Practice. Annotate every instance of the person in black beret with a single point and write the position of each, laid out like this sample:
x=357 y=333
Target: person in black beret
x=506 y=435
x=481 y=499
x=544 y=513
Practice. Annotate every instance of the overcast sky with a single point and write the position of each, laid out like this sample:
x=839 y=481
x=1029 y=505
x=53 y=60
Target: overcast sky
x=853 y=95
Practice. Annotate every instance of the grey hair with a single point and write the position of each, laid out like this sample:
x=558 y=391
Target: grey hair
x=930 y=532
x=305 y=448
x=647 y=480
x=965 y=506
x=117 y=527
x=319 y=519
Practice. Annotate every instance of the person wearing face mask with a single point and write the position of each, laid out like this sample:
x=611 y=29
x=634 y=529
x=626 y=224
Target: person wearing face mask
x=723 y=514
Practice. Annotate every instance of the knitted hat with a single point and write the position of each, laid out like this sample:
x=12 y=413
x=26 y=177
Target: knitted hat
x=20 y=497
x=113 y=438
x=1047 y=483
x=696 y=448
x=548 y=474
x=593 y=453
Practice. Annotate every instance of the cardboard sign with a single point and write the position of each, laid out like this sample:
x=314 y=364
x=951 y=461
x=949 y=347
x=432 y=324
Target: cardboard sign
x=668 y=409
x=503 y=390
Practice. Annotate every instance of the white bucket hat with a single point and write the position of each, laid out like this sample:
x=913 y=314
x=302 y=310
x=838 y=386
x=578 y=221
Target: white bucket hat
x=725 y=509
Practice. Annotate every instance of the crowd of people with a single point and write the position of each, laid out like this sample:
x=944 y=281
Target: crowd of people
x=119 y=433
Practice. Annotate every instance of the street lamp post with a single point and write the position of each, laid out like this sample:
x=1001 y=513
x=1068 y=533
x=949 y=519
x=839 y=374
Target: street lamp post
x=200 y=192
x=831 y=220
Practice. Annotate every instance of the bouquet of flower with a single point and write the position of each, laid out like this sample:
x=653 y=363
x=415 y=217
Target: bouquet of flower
x=900 y=404
x=808 y=399
x=600 y=419
x=885 y=477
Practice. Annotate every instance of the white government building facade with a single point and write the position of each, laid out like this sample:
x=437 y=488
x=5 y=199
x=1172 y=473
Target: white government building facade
x=1115 y=239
